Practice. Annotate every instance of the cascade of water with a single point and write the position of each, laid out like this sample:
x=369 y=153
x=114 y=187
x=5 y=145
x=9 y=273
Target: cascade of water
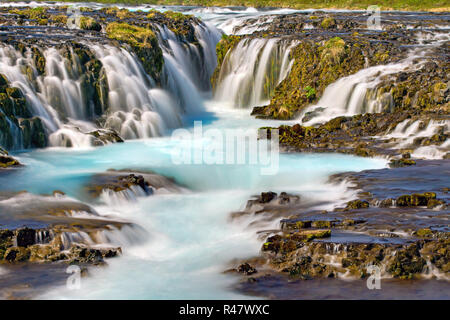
x=355 y=94
x=408 y=132
x=137 y=108
x=60 y=89
x=251 y=71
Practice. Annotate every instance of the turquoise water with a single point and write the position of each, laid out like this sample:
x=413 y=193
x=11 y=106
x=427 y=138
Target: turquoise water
x=191 y=239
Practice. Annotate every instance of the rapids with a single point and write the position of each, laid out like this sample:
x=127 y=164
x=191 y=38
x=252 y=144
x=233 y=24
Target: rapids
x=191 y=239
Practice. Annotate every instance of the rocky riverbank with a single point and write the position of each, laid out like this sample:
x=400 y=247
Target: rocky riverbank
x=390 y=225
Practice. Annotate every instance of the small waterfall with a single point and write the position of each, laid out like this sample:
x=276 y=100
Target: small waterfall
x=355 y=94
x=136 y=107
x=188 y=67
x=251 y=71
x=61 y=86
x=409 y=132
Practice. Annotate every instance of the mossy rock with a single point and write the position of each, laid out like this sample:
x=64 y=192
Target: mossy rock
x=398 y=163
x=17 y=254
x=426 y=232
x=14 y=92
x=227 y=43
x=321 y=224
x=144 y=43
x=3 y=80
x=328 y=23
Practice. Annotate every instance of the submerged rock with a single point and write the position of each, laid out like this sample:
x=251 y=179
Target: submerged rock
x=403 y=234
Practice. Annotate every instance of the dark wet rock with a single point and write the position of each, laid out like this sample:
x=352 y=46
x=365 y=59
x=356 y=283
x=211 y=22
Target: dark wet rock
x=123 y=180
x=25 y=237
x=105 y=136
x=406 y=242
x=17 y=254
x=246 y=269
x=267 y=197
x=398 y=163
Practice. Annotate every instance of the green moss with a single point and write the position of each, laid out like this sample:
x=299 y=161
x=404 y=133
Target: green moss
x=322 y=224
x=177 y=16
x=357 y=204
x=131 y=34
x=316 y=234
x=333 y=50
x=43 y=22
x=61 y=19
x=424 y=232
x=310 y=92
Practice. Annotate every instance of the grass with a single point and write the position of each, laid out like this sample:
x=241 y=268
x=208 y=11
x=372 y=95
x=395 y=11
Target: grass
x=134 y=35
x=411 y=5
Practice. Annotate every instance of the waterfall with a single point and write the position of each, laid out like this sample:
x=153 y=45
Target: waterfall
x=251 y=71
x=188 y=67
x=136 y=106
x=357 y=93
